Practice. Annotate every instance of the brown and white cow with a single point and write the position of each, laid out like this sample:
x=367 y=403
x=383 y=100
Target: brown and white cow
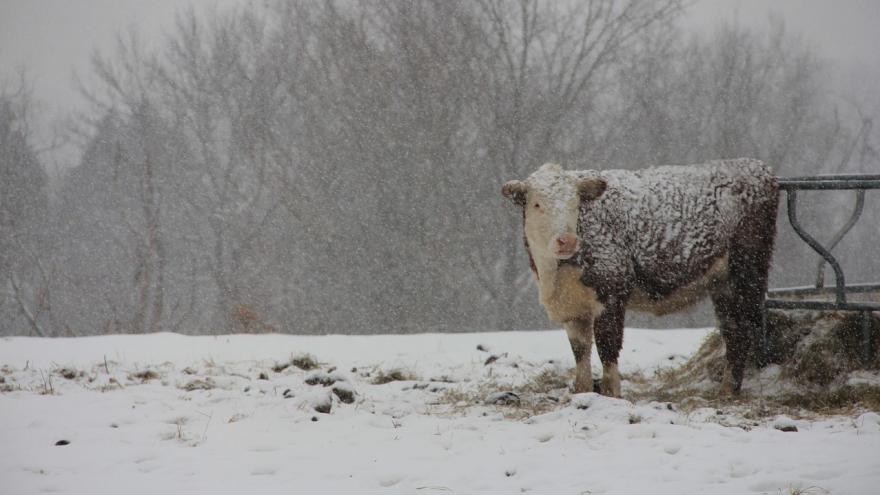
x=657 y=240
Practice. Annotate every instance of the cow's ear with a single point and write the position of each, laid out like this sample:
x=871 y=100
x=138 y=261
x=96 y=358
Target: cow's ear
x=515 y=190
x=591 y=187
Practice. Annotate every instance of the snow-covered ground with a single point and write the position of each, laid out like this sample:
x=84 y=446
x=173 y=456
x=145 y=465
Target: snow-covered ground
x=172 y=414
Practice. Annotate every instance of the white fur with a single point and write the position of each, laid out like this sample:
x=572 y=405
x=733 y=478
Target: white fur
x=551 y=210
x=610 y=380
x=581 y=331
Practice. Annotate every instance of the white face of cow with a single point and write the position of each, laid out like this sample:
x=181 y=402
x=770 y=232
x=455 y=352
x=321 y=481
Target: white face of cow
x=551 y=199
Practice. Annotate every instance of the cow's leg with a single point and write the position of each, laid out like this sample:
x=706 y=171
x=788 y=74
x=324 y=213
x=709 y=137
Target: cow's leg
x=739 y=302
x=580 y=336
x=735 y=337
x=609 y=340
x=738 y=306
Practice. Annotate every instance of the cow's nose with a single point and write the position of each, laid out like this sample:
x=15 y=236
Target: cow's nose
x=566 y=243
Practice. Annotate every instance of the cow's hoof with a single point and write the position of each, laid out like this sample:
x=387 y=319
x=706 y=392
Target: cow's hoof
x=729 y=387
x=728 y=392
x=585 y=386
x=611 y=387
x=595 y=387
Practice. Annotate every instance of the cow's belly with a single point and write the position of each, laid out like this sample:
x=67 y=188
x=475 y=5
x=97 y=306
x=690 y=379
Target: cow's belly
x=682 y=297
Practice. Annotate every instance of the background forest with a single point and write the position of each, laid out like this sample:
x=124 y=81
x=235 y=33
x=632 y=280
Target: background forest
x=335 y=167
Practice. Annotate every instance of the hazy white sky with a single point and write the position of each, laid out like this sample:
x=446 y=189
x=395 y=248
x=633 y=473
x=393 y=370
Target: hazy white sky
x=52 y=38
x=846 y=30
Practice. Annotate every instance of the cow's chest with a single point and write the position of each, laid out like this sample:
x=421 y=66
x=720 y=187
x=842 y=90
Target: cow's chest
x=564 y=296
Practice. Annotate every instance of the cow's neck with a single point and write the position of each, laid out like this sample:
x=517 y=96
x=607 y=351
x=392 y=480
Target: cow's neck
x=548 y=271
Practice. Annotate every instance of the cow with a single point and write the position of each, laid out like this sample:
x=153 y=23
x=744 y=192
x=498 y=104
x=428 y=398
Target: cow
x=656 y=240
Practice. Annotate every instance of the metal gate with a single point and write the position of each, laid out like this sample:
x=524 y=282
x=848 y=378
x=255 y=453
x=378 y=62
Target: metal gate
x=800 y=297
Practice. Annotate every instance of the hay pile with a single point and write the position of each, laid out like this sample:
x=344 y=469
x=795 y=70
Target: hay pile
x=815 y=363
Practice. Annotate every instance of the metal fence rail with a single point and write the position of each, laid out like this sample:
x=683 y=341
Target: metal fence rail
x=784 y=298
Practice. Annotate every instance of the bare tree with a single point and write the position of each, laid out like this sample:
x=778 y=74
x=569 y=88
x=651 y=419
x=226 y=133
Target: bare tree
x=24 y=274
x=222 y=88
x=544 y=68
x=334 y=166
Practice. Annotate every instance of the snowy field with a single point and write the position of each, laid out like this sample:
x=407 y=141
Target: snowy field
x=169 y=414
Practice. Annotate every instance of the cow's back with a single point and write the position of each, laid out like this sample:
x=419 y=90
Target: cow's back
x=674 y=224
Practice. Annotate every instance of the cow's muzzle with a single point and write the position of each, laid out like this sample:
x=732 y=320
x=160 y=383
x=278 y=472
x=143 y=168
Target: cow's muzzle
x=563 y=246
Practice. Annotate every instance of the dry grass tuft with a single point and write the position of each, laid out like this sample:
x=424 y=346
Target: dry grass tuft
x=809 y=490
x=305 y=362
x=198 y=384
x=844 y=399
x=69 y=373
x=144 y=375
x=345 y=395
x=548 y=380
x=393 y=375
x=46 y=388
x=546 y=391
x=320 y=379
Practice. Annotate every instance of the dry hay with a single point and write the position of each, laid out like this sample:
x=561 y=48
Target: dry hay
x=813 y=356
x=543 y=391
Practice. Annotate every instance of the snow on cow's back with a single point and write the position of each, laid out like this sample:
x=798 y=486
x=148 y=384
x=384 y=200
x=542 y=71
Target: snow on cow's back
x=677 y=212
x=660 y=182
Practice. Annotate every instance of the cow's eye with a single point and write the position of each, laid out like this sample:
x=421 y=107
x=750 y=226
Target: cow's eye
x=537 y=205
